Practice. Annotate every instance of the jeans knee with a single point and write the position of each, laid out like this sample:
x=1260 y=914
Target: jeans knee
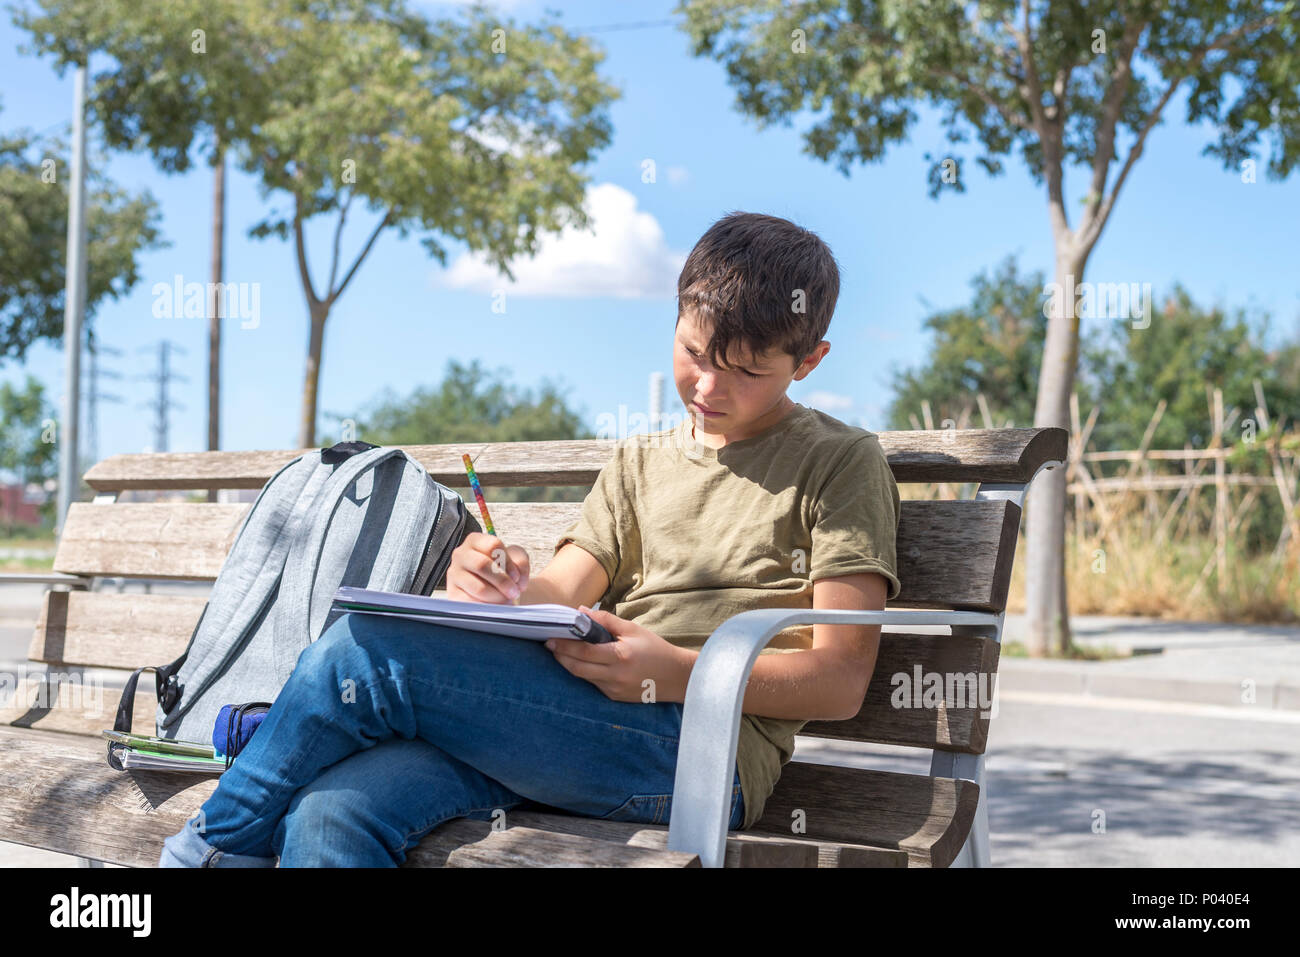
x=320 y=825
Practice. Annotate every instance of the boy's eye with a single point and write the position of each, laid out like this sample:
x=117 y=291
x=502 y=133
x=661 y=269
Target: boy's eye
x=695 y=355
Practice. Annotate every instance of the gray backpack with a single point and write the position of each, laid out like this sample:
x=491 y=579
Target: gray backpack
x=353 y=514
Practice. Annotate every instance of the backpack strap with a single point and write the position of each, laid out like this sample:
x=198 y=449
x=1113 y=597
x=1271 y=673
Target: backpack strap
x=340 y=451
x=263 y=548
x=293 y=630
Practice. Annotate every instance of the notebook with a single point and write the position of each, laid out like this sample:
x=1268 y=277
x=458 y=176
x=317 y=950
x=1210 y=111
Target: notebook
x=151 y=753
x=139 y=758
x=537 y=622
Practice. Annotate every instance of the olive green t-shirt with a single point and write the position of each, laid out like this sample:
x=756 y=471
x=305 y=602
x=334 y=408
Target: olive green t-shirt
x=690 y=536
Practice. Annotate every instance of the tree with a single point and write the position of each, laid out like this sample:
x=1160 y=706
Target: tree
x=980 y=348
x=1062 y=82
x=181 y=72
x=27 y=436
x=1186 y=350
x=475 y=130
x=33 y=241
x=473 y=407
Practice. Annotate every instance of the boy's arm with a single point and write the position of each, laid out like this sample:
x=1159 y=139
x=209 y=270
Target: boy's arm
x=572 y=578
x=827 y=682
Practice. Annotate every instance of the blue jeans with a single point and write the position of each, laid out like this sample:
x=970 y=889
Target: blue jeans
x=388 y=727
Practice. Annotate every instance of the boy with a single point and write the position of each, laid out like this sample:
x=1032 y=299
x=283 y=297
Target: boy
x=754 y=501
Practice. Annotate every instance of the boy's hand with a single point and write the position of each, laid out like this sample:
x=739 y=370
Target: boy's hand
x=638 y=667
x=483 y=568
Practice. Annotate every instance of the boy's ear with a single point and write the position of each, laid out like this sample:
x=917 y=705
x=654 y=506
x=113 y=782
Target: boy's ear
x=817 y=355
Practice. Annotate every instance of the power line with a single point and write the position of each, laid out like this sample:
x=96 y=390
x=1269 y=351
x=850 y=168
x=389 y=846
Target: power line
x=638 y=25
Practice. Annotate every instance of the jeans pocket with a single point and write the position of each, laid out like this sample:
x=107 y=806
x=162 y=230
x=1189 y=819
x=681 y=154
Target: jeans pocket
x=641 y=808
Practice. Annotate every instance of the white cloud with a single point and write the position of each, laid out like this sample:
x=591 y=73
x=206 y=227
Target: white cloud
x=626 y=257
x=501 y=6
x=831 y=403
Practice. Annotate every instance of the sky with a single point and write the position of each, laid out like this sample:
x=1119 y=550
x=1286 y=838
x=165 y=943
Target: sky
x=593 y=314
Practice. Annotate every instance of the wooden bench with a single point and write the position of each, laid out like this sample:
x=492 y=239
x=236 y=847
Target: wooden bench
x=955 y=558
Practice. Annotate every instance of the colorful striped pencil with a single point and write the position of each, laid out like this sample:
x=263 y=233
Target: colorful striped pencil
x=478 y=494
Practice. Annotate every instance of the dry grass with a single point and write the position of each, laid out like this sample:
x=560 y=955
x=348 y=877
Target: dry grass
x=1132 y=575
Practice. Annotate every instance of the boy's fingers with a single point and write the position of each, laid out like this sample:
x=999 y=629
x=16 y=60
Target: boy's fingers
x=519 y=565
x=486 y=570
x=582 y=650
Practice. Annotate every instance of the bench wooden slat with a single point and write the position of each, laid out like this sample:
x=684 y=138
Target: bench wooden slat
x=179 y=540
x=58 y=793
x=743 y=848
x=928 y=818
x=73 y=705
x=948 y=727
x=528 y=847
x=951 y=554
x=943 y=455
x=109 y=630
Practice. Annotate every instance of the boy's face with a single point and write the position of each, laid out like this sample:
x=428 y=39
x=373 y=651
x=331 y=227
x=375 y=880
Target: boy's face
x=746 y=399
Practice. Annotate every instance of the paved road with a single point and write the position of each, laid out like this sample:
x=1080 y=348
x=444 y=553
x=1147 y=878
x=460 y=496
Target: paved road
x=1179 y=785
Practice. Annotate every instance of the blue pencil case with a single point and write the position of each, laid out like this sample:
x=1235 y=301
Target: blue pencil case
x=234 y=727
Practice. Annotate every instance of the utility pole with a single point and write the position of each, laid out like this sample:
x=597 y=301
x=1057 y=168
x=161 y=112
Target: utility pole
x=163 y=403
x=74 y=305
x=656 y=400
x=93 y=395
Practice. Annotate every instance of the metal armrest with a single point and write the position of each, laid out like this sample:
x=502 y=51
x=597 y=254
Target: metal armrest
x=48 y=578
x=706 y=754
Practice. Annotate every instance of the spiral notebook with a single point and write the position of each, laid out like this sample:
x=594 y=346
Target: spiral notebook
x=536 y=622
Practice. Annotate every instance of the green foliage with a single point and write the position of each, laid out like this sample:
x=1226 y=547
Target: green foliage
x=1186 y=352
x=994 y=346
x=474 y=128
x=180 y=71
x=26 y=448
x=33 y=240
x=471 y=407
x=865 y=65
x=429 y=123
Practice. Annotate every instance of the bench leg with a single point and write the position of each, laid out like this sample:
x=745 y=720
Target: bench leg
x=87 y=862
x=945 y=764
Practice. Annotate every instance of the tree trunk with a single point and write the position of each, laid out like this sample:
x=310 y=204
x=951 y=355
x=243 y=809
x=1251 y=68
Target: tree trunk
x=214 y=316
x=1046 y=605
x=311 y=382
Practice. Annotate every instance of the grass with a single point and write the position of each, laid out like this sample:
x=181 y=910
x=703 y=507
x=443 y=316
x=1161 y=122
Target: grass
x=1129 y=574
x=27 y=540
x=1017 y=649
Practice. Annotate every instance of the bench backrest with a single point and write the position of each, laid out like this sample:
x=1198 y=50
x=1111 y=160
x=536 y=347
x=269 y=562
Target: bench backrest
x=951 y=554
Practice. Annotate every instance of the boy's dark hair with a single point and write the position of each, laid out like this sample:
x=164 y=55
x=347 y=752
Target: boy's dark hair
x=741 y=277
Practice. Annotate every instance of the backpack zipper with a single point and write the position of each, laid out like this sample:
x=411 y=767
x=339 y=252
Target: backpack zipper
x=421 y=575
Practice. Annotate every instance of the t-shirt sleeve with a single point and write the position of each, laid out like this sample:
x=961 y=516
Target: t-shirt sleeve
x=597 y=528
x=855 y=518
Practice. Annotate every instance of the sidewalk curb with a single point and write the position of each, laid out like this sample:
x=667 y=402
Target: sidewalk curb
x=1084 y=678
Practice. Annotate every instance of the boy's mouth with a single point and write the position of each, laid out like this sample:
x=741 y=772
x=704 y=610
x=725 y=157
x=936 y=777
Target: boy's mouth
x=705 y=410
